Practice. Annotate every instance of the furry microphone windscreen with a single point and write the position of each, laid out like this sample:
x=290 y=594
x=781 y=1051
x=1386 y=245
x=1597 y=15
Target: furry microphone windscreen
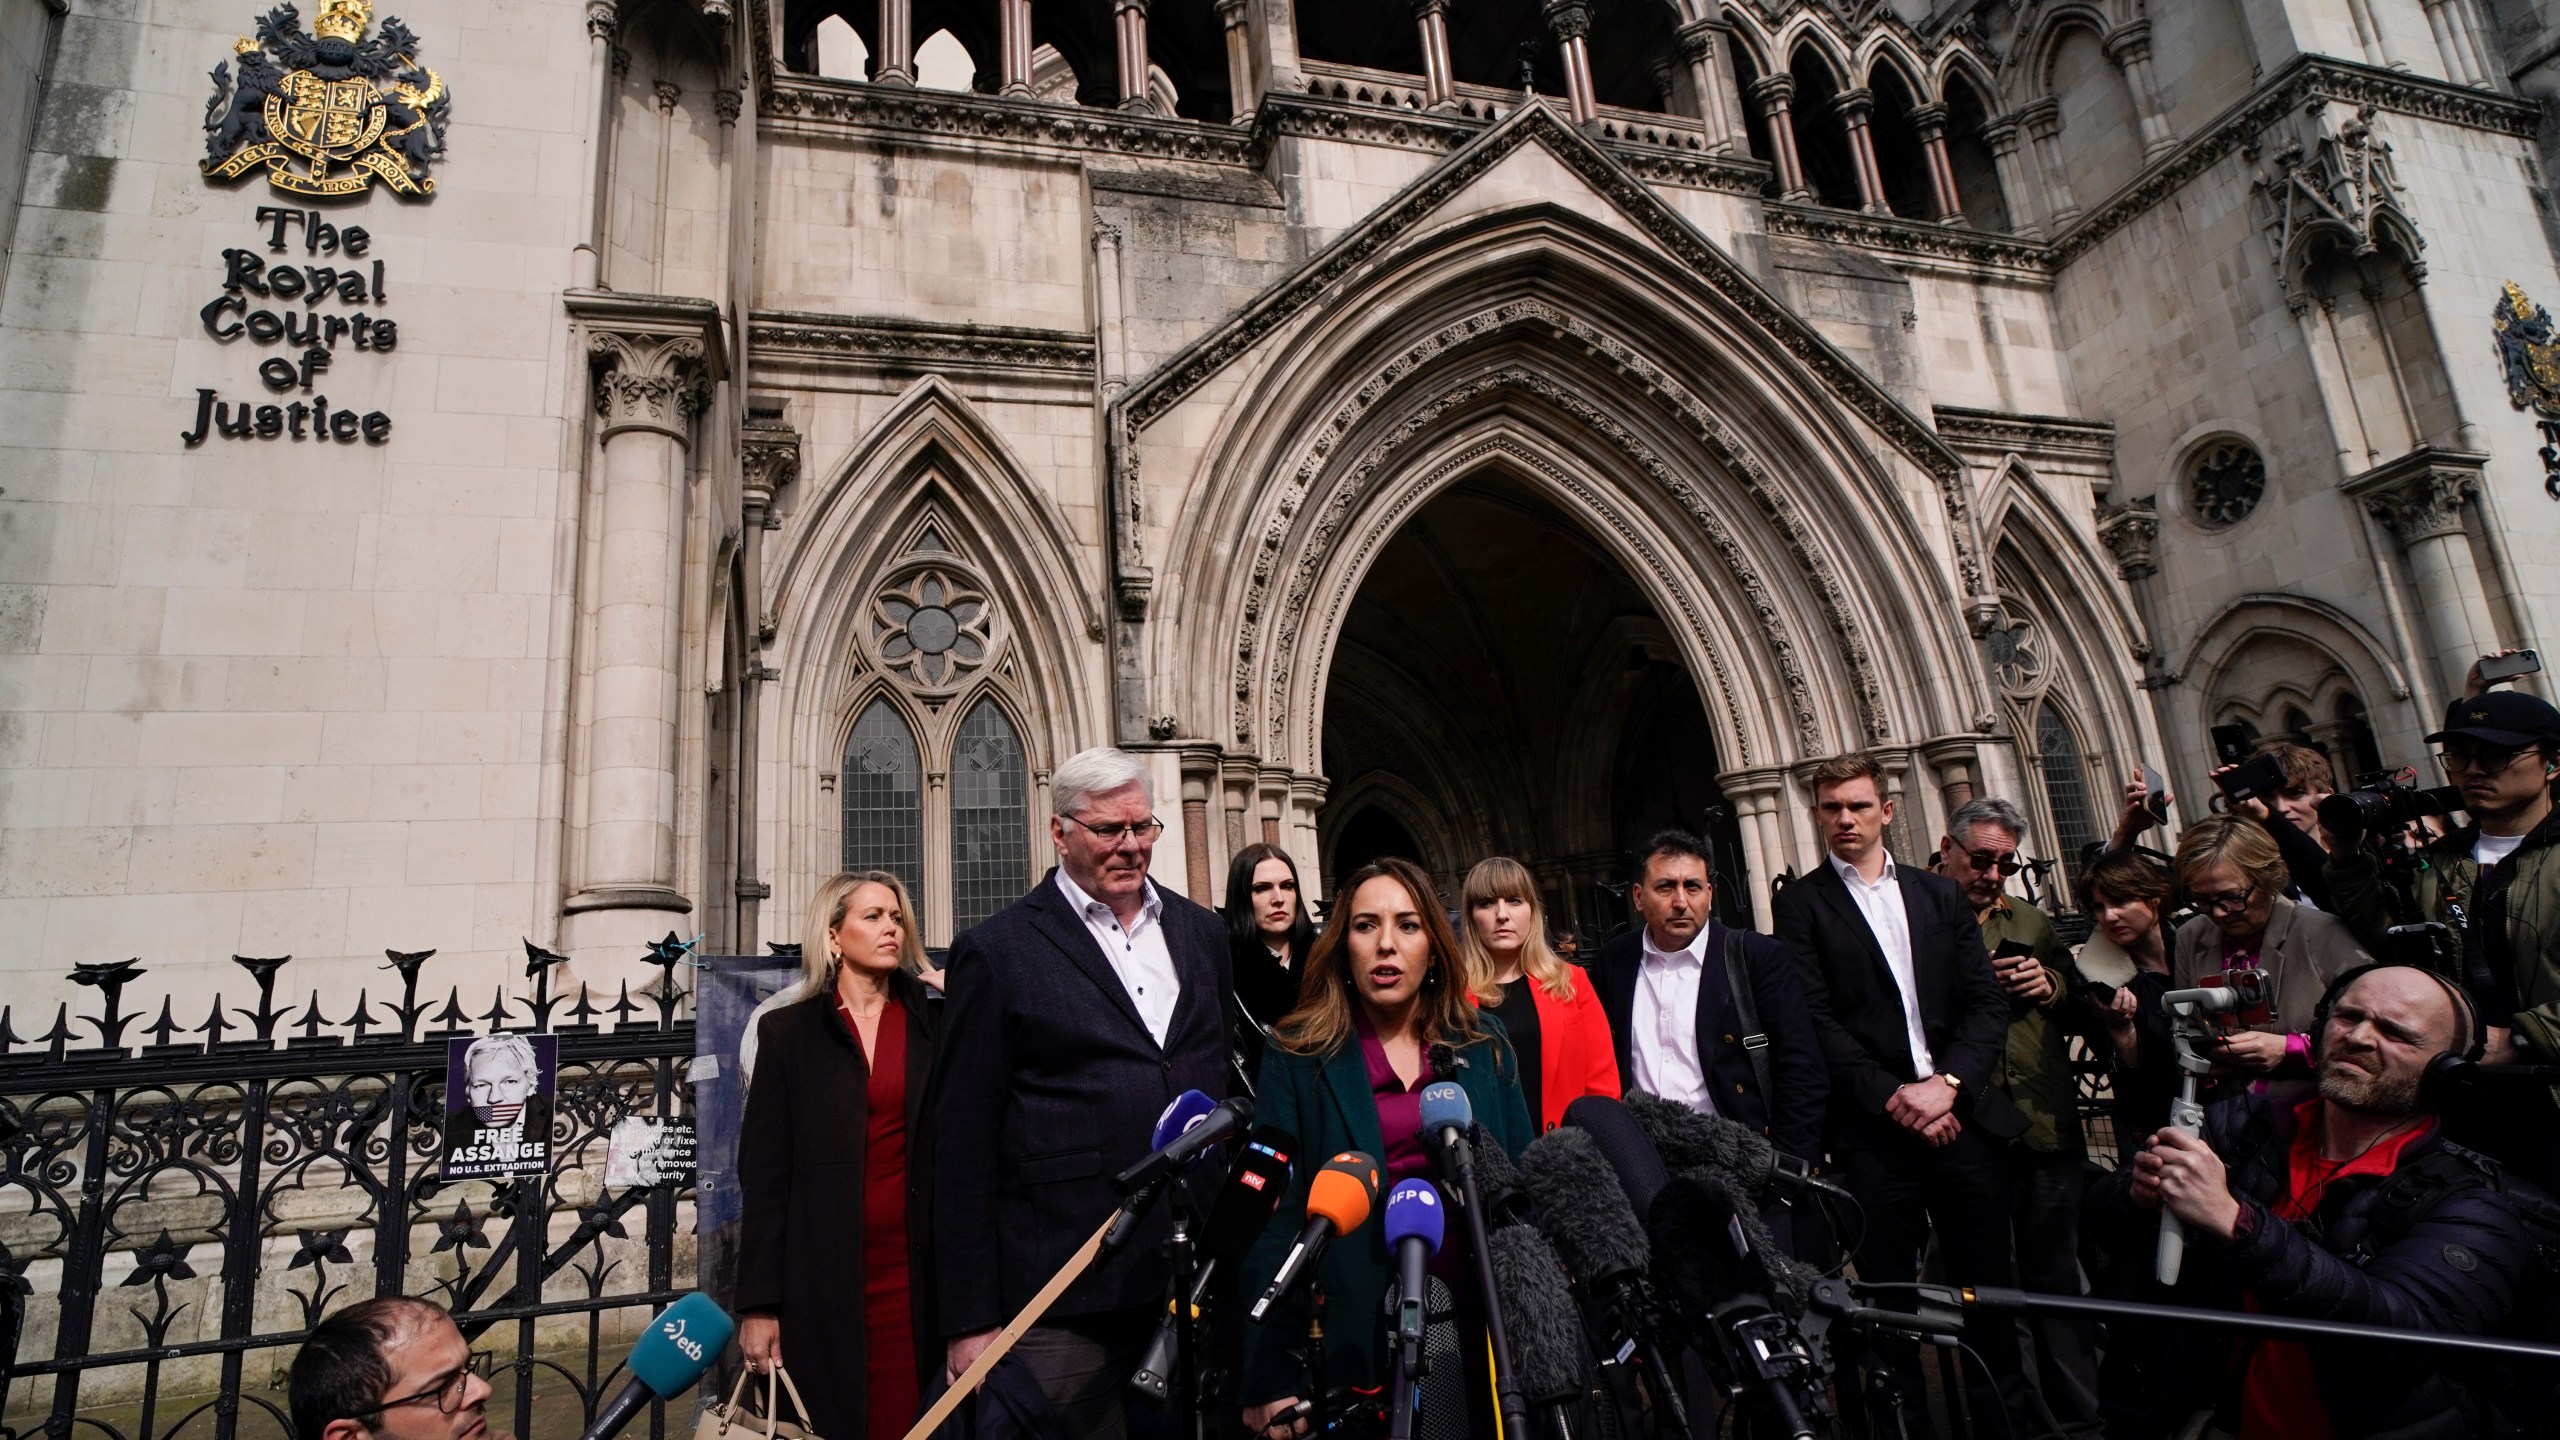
x=1538 y=1315
x=1583 y=1208
x=1688 y=1139
x=1505 y=1199
x=1693 y=1224
x=1622 y=1142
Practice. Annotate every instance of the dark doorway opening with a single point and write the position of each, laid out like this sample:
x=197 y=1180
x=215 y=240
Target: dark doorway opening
x=1506 y=681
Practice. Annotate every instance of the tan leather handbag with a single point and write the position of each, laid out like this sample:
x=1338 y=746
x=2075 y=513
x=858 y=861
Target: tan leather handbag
x=731 y=1420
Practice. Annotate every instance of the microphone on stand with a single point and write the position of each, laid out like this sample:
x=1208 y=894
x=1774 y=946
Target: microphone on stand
x=1546 y=1327
x=1254 y=1185
x=1687 y=1139
x=682 y=1343
x=1446 y=1114
x=1187 y=1129
x=1415 y=1224
x=1338 y=1202
x=1585 y=1211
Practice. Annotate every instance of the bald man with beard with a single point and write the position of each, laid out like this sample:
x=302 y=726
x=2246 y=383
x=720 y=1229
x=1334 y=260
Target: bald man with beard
x=2349 y=1206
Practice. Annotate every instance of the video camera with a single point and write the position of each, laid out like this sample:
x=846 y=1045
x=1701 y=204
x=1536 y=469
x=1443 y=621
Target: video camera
x=2386 y=802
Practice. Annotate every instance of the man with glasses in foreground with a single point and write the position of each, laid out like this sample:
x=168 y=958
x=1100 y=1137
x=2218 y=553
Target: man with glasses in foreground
x=1073 y=1017
x=389 y=1369
x=2495 y=884
x=1980 y=852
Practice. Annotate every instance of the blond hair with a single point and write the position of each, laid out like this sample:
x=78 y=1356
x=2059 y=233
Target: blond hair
x=2238 y=839
x=1321 y=1024
x=1503 y=878
x=826 y=912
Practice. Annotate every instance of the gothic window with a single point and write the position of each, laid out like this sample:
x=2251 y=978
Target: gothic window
x=2066 y=789
x=883 y=798
x=2225 y=481
x=990 y=817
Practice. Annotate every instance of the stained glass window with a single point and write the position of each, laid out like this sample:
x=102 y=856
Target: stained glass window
x=990 y=817
x=2066 y=788
x=884 y=798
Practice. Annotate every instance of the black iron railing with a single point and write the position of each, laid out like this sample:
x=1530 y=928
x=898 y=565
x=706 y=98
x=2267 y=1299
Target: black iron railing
x=176 y=1202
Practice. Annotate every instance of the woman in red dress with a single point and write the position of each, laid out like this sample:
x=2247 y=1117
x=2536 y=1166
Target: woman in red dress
x=835 y=1111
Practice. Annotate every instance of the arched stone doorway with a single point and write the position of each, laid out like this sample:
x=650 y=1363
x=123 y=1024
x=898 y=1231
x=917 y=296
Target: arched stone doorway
x=1502 y=685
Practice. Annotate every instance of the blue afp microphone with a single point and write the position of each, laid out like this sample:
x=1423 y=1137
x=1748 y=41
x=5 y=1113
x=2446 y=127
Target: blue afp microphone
x=669 y=1356
x=1415 y=1223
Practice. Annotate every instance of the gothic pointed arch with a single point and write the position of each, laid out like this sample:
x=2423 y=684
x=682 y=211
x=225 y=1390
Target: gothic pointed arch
x=2264 y=653
x=922 y=565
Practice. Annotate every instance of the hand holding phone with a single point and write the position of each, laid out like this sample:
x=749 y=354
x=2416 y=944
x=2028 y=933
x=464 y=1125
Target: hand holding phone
x=2509 y=664
x=2230 y=744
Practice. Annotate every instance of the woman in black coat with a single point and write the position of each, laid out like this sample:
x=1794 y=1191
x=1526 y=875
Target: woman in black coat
x=835 y=1170
x=1269 y=933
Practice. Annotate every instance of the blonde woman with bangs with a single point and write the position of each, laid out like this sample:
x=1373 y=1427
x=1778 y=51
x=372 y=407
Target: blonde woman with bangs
x=1384 y=985
x=1548 y=1008
x=834 y=1278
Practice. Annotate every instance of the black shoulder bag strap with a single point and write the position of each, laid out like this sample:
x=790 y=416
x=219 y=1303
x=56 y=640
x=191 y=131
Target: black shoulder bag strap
x=1746 y=1011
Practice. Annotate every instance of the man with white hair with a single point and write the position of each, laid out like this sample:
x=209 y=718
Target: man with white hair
x=1073 y=1017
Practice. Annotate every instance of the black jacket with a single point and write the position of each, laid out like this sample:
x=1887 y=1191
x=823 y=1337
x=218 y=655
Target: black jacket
x=1791 y=1117
x=1857 y=1010
x=2437 y=1245
x=800 y=1159
x=1048 y=1085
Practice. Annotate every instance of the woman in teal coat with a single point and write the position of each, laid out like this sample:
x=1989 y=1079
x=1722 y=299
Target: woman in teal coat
x=1345 y=1071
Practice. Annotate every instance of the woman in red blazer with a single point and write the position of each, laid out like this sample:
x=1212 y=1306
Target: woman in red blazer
x=1546 y=1004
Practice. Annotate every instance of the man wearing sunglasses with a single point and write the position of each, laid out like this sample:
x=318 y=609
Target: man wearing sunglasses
x=2496 y=884
x=389 y=1369
x=1980 y=852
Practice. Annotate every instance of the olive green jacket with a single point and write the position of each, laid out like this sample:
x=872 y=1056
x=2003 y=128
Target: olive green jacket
x=2035 y=1069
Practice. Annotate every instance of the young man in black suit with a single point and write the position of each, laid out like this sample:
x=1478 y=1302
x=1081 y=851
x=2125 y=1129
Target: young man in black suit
x=1665 y=988
x=1075 y=1015
x=1912 y=1024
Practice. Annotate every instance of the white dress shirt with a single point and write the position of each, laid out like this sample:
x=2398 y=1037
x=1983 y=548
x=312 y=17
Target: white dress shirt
x=1664 y=1047
x=1881 y=903
x=1137 y=953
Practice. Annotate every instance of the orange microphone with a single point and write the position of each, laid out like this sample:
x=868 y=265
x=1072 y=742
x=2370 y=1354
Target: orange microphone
x=1338 y=1202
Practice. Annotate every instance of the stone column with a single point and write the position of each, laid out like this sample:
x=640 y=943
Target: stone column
x=2002 y=136
x=1013 y=48
x=653 y=362
x=2131 y=533
x=1306 y=799
x=1930 y=121
x=1570 y=22
x=1708 y=82
x=1439 y=78
x=1199 y=779
x=2044 y=127
x=2455 y=55
x=603 y=24
x=1241 y=101
x=769 y=458
x=2369 y=33
x=2129 y=46
x=1958 y=767
x=1112 y=362
x=1754 y=797
x=2422 y=498
x=1774 y=94
x=1857 y=109
x=896 y=62
x=1129 y=22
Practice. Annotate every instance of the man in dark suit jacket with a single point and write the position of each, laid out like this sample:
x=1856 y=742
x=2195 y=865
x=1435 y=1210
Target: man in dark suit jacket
x=1913 y=1025
x=1075 y=1015
x=1711 y=1071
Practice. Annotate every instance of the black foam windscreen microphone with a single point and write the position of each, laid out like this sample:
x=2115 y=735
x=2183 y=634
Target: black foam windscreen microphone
x=1583 y=1208
x=1688 y=1138
x=1709 y=1245
x=1548 y=1353
x=1624 y=1145
x=1444 y=1062
x=1506 y=1201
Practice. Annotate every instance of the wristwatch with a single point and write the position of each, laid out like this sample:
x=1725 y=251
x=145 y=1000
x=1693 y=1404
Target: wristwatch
x=1954 y=1082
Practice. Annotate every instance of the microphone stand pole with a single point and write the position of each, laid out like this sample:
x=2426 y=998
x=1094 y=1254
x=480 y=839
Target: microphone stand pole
x=976 y=1375
x=1407 y=1377
x=1182 y=1259
x=1506 y=1385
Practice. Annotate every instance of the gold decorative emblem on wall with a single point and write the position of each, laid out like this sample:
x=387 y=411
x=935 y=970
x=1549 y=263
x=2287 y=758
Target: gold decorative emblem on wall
x=330 y=112
x=2529 y=351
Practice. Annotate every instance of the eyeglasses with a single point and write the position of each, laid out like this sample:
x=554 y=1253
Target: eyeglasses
x=2483 y=759
x=446 y=1393
x=2228 y=903
x=1146 y=829
x=2008 y=864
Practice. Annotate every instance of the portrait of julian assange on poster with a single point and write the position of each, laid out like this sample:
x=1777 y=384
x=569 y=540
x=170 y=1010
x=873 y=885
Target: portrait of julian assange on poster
x=497 y=1105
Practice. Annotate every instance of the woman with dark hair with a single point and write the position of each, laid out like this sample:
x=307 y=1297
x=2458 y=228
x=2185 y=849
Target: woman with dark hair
x=1268 y=933
x=834 y=1174
x=2125 y=892
x=1384 y=984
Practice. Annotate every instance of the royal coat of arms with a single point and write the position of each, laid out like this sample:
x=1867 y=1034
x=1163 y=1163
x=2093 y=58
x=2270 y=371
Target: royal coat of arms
x=330 y=112
x=2528 y=350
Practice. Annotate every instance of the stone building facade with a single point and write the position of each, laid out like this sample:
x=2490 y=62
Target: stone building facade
x=1467 y=427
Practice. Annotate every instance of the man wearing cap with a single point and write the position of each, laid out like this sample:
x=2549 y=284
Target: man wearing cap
x=2496 y=884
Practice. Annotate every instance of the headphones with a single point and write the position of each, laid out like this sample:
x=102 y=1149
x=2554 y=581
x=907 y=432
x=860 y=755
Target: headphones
x=2471 y=1023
